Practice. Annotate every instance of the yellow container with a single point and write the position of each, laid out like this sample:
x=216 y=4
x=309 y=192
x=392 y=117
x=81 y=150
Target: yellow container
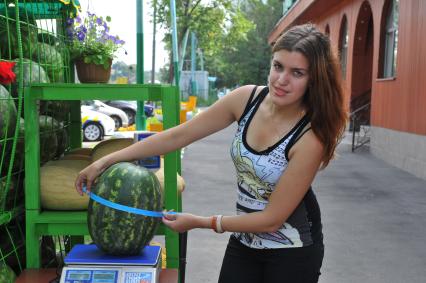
x=182 y=116
x=155 y=127
x=190 y=104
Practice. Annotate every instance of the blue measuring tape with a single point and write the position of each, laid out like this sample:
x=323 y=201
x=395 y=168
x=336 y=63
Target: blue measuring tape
x=124 y=208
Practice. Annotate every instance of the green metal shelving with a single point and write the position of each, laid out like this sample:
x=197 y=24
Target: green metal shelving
x=39 y=222
x=31 y=29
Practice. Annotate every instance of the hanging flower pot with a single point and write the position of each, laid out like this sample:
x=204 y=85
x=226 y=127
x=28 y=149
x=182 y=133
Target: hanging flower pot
x=92 y=73
x=92 y=47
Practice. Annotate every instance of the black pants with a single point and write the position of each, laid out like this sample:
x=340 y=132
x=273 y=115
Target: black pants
x=292 y=265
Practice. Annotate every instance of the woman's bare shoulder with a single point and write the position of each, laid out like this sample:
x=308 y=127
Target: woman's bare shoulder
x=309 y=144
x=238 y=98
x=242 y=94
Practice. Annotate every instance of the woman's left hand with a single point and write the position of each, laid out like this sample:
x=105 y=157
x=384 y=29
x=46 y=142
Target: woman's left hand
x=180 y=222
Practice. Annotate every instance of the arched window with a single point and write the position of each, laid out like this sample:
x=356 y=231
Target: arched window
x=327 y=30
x=390 y=39
x=343 y=45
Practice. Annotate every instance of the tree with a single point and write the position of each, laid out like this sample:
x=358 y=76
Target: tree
x=213 y=22
x=248 y=62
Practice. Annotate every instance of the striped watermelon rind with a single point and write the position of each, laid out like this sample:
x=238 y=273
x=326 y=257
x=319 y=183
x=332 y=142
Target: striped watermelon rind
x=6 y=274
x=121 y=233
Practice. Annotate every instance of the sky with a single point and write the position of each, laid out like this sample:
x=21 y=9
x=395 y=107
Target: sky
x=123 y=24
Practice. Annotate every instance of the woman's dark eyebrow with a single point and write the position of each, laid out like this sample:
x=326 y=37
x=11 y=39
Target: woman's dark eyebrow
x=299 y=69
x=294 y=69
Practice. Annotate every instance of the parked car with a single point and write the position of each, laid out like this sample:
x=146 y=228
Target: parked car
x=119 y=116
x=130 y=108
x=95 y=124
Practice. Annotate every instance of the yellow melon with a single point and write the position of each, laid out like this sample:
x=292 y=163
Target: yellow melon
x=57 y=189
x=109 y=146
x=80 y=151
x=180 y=181
x=77 y=157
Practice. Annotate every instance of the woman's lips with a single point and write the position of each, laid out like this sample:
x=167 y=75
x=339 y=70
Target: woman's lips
x=280 y=92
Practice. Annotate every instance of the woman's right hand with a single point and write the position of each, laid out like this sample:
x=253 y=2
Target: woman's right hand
x=88 y=176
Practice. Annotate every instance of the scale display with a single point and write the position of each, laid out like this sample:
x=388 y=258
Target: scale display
x=86 y=264
x=108 y=275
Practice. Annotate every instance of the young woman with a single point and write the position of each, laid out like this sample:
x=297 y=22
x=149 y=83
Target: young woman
x=286 y=132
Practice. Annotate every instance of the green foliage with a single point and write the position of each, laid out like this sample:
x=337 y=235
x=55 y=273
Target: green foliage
x=233 y=37
x=90 y=40
x=212 y=21
x=164 y=73
x=247 y=60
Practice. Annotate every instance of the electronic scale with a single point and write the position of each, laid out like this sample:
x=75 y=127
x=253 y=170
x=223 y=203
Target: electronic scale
x=87 y=264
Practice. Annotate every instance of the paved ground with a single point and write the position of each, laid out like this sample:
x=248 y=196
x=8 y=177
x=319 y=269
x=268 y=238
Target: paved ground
x=374 y=215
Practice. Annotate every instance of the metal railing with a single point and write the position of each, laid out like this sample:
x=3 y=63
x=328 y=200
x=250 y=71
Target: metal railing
x=360 y=126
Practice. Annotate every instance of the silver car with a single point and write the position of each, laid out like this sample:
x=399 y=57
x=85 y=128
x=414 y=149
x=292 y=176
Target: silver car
x=120 y=118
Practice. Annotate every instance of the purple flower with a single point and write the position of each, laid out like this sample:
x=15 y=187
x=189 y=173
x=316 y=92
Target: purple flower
x=70 y=32
x=70 y=21
x=81 y=36
x=92 y=33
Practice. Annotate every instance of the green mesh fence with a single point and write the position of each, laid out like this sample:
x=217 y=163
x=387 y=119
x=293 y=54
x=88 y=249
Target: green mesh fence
x=32 y=37
x=12 y=244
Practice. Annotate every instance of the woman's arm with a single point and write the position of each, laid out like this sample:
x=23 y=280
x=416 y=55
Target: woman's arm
x=218 y=116
x=305 y=159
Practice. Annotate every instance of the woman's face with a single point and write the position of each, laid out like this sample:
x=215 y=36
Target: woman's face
x=288 y=77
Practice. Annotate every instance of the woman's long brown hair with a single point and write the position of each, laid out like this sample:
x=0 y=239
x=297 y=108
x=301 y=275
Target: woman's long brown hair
x=324 y=98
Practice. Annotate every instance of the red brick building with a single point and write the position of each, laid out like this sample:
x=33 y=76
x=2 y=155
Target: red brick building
x=382 y=49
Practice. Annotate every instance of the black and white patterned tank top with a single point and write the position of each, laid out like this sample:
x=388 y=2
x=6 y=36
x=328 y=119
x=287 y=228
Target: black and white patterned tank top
x=257 y=175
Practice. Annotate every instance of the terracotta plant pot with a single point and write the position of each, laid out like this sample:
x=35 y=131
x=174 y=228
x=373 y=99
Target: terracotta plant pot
x=91 y=73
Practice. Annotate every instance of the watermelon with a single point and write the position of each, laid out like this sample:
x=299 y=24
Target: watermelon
x=53 y=141
x=18 y=162
x=7 y=114
x=32 y=73
x=9 y=36
x=51 y=60
x=6 y=274
x=11 y=196
x=63 y=140
x=49 y=128
x=48 y=38
x=59 y=110
x=121 y=233
x=8 y=119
